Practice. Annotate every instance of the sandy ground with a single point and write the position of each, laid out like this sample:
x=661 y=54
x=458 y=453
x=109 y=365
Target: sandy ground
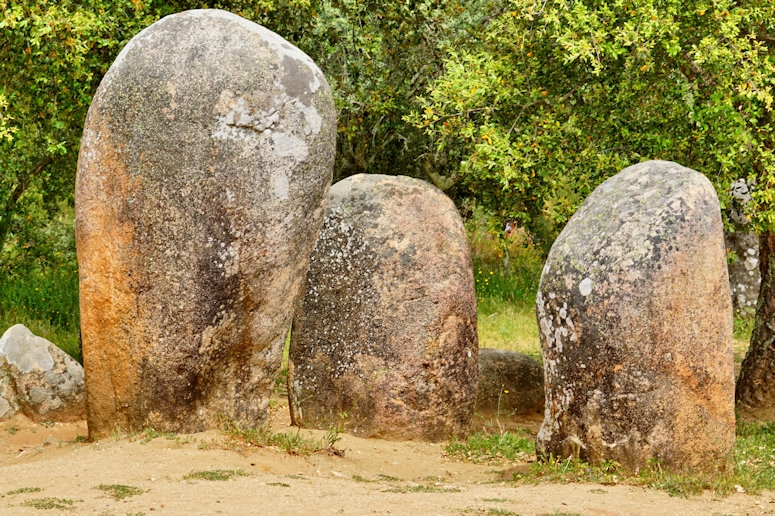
x=373 y=477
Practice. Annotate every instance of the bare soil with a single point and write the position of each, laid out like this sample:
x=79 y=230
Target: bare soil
x=373 y=477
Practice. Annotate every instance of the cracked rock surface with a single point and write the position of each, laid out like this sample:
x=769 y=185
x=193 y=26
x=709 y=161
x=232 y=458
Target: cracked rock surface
x=202 y=182
x=384 y=343
x=635 y=317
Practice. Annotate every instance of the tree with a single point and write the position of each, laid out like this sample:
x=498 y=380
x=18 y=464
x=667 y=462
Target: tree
x=561 y=95
x=52 y=56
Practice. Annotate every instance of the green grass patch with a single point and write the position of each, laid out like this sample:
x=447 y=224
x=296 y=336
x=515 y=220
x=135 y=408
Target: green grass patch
x=751 y=471
x=492 y=448
x=505 y=325
x=46 y=303
x=147 y=435
x=502 y=512
x=50 y=503
x=420 y=488
x=24 y=490
x=215 y=474
x=120 y=491
x=388 y=478
x=290 y=442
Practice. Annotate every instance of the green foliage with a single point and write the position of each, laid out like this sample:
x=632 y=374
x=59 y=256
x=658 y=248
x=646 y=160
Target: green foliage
x=506 y=266
x=558 y=96
x=53 y=56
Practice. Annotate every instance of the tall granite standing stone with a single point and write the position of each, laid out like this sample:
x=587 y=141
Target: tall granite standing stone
x=202 y=183
x=384 y=343
x=635 y=319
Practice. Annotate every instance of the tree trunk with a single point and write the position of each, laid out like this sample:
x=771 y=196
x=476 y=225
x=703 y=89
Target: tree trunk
x=756 y=384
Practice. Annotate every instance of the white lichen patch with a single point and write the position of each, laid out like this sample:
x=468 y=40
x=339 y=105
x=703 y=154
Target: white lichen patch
x=585 y=286
x=280 y=184
x=287 y=145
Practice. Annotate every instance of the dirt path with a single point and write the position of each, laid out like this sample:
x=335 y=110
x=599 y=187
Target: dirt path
x=373 y=477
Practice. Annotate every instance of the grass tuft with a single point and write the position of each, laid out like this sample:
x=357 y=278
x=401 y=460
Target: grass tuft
x=291 y=443
x=24 y=490
x=215 y=474
x=492 y=448
x=120 y=491
x=50 y=503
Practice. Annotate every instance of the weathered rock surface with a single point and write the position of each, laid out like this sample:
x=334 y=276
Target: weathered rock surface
x=38 y=379
x=509 y=382
x=384 y=343
x=202 y=182
x=744 y=275
x=635 y=317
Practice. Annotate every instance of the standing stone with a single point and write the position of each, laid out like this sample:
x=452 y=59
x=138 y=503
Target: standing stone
x=635 y=315
x=384 y=343
x=744 y=275
x=202 y=181
x=509 y=383
x=38 y=379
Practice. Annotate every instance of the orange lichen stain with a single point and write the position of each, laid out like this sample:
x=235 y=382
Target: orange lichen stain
x=108 y=305
x=617 y=368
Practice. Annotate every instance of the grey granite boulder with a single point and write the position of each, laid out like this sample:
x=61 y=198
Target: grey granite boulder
x=205 y=164
x=509 y=382
x=635 y=318
x=384 y=343
x=39 y=379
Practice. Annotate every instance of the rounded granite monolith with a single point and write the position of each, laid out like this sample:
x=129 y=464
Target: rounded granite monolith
x=384 y=343
x=202 y=182
x=635 y=318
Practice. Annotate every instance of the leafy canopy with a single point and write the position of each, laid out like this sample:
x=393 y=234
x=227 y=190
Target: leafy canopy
x=558 y=96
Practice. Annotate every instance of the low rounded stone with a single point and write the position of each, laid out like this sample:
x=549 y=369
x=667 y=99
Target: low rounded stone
x=384 y=343
x=205 y=164
x=39 y=379
x=509 y=382
x=635 y=318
